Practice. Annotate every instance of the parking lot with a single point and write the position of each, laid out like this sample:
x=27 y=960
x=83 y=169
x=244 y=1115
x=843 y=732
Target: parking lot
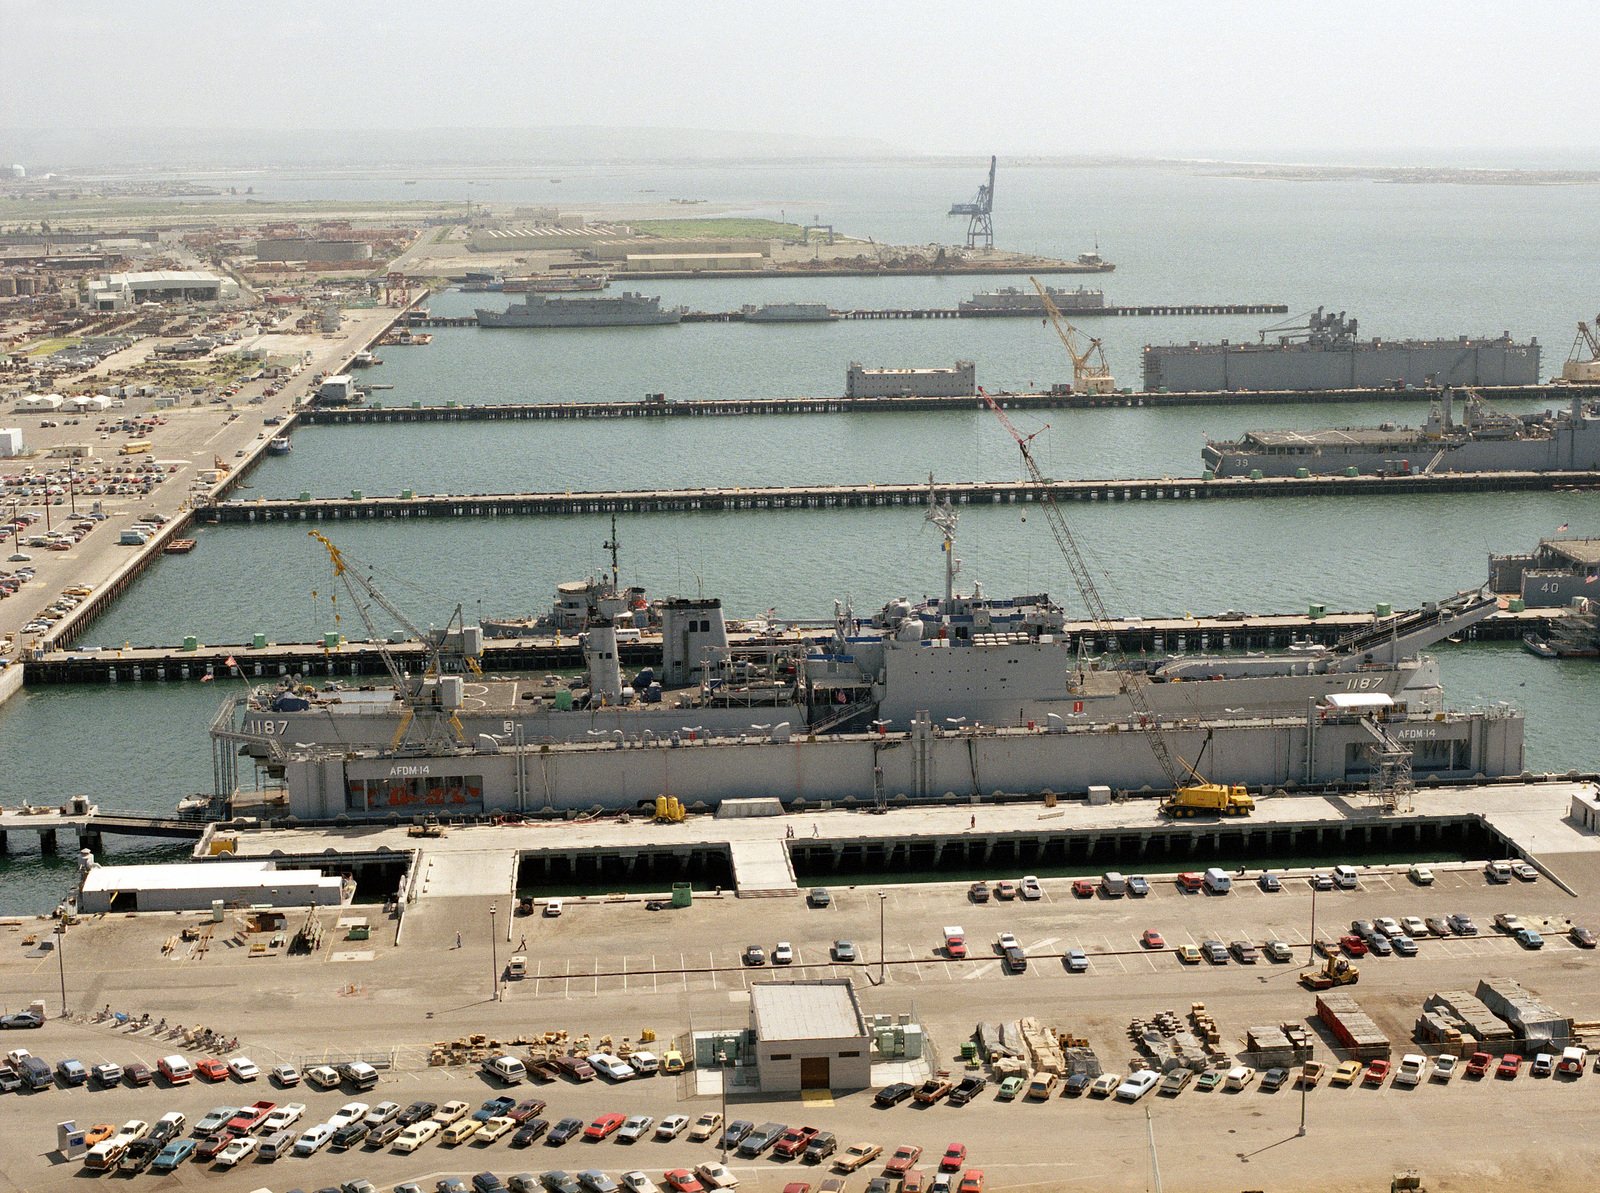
x=613 y=967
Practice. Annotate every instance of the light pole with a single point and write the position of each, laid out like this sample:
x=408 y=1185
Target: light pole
x=494 y=953
x=722 y=1146
x=61 y=964
x=883 y=898
x=1311 y=951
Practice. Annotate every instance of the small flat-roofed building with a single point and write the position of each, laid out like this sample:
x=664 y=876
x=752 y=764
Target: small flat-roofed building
x=960 y=381
x=1555 y=573
x=194 y=886
x=809 y=1035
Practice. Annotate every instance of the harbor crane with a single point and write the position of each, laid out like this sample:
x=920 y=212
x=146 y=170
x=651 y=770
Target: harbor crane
x=1090 y=372
x=1579 y=367
x=980 y=224
x=1191 y=794
x=424 y=705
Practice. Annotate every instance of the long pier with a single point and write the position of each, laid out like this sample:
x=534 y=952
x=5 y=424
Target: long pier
x=1153 y=310
x=1058 y=399
x=358 y=506
x=90 y=825
x=1179 y=635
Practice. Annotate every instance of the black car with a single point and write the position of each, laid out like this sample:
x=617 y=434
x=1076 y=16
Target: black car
x=488 y=1182
x=138 y=1156
x=969 y=1088
x=529 y=1132
x=563 y=1131
x=415 y=1113
x=384 y=1134
x=348 y=1136
x=560 y=1182
x=893 y=1095
x=735 y=1132
x=1076 y=1084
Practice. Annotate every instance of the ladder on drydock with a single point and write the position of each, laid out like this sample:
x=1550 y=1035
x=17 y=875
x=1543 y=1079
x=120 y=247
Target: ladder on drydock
x=1392 y=783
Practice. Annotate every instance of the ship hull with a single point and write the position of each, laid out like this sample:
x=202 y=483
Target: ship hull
x=1374 y=364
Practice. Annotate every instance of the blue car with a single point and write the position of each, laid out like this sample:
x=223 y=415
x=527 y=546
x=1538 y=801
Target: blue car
x=492 y=1108
x=173 y=1154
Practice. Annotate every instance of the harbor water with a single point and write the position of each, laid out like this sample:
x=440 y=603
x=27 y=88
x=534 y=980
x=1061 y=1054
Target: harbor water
x=1408 y=260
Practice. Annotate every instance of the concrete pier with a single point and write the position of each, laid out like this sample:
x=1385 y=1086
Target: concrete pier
x=811 y=497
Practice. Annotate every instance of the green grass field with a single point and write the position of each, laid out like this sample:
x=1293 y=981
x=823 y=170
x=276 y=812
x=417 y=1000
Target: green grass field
x=715 y=227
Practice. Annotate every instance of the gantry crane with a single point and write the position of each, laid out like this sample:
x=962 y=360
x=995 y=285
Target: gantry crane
x=1090 y=373
x=980 y=213
x=1579 y=367
x=422 y=701
x=1191 y=794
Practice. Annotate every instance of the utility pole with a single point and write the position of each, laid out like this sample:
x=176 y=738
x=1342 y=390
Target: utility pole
x=494 y=954
x=61 y=963
x=883 y=898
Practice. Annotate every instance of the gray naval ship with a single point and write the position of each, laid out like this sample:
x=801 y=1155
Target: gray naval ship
x=989 y=693
x=628 y=309
x=1326 y=353
x=1008 y=300
x=1482 y=440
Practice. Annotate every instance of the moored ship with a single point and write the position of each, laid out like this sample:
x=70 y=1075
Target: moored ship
x=1325 y=353
x=789 y=312
x=1008 y=300
x=628 y=309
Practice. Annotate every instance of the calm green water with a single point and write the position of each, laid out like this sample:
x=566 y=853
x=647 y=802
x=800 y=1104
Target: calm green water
x=1409 y=261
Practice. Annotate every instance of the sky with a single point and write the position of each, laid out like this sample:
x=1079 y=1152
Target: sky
x=1141 y=77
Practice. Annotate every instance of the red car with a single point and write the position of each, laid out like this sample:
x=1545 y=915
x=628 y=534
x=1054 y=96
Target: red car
x=681 y=1180
x=604 y=1126
x=954 y=1157
x=1376 y=1072
x=793 y=1141
x=904 y=1157
x=1083 y=888
x=524 y=1110
x=1510 y=1065
x=138 y=1074
x=1353 y=945
x=209 y=1148
x=1152 y=939
x=797 y=1187
x=212 y=1069
x=972 y=1182
x=1479 y=1064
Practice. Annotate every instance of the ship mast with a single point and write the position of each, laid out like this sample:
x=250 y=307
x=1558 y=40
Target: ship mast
x=943 y=515
x=612 y=545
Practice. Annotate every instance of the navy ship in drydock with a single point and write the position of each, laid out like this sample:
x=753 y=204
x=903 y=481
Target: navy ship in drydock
x=1325 y=353
x=955 y=696
x=1483 y=440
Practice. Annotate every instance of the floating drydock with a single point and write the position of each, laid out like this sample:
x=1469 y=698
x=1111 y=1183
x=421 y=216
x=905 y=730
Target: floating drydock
x=1325 y=353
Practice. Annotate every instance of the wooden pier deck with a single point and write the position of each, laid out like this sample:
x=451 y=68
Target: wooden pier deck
x=359 y=506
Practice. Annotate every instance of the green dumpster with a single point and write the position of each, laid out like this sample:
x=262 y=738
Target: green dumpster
x=682 y=894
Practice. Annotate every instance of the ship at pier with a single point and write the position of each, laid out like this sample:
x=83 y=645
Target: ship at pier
x=1325 y=352
x=628 y=309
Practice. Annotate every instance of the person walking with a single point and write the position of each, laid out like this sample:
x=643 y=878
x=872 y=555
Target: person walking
x=458 y=940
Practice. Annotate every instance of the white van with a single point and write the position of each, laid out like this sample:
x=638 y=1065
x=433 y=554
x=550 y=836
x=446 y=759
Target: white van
x=646 y=1064
x=360 y=1075
x=517 y=968
x=277 y=1144
x=1498 y=871
x=1346 y=878
x=323 y=1076
x=507 y=1069
x=1217 y=881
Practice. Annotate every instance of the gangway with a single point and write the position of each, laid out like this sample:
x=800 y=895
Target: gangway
x=1402 y=635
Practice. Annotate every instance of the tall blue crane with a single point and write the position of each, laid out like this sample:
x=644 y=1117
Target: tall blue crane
x=980 y=210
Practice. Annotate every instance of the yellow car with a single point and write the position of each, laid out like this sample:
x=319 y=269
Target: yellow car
x=1311 y=1073
x=1188 y=954
x=99 y=1133
x=1347 y=1073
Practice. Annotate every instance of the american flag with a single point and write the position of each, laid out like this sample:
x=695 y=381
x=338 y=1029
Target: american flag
x=231 y=662
x=1562 y=529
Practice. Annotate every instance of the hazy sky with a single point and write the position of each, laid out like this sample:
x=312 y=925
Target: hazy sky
x=923 y=77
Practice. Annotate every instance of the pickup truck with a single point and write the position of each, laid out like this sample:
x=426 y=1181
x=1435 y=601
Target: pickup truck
x=793 y=1142
x=1508 y=923
x=969 y=1088
x=933 y=1090
x=250 y=1117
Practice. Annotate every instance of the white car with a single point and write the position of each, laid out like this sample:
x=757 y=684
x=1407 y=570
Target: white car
x=716 y=1176
x=1421 y=875
x=783 y=953
x=637 y=1126
x=1239 y=1077
x=238 y=1150
x=638 y=1182
x=494 y=1128
x=381 y=1113
x=286 y=1075
x=1029 y=887
x=1389 y=926
x=610 y=1066
x=672 y=1126
x=350 y=1112
x=1005 y=941
x=243 y=1069
x=314 y=1140
x=416 y=1135
x=284 y=1116
x=1413 y=1067
x=1138 y=1085
x=1414 y=925
x=1444 y=1068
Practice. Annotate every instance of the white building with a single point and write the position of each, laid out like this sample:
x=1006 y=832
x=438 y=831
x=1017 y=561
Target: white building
x=194 y=886
x=39 y=404
x=124 y=291
x=960 y=381
x=10 y=442
x=809 y=1035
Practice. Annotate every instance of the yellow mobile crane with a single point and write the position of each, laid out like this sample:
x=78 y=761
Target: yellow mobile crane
x=1090 y=373
x=1191 y=794
x=422 y=697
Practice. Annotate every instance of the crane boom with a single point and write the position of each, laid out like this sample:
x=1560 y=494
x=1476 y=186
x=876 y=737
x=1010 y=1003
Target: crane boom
x=1086 y=377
